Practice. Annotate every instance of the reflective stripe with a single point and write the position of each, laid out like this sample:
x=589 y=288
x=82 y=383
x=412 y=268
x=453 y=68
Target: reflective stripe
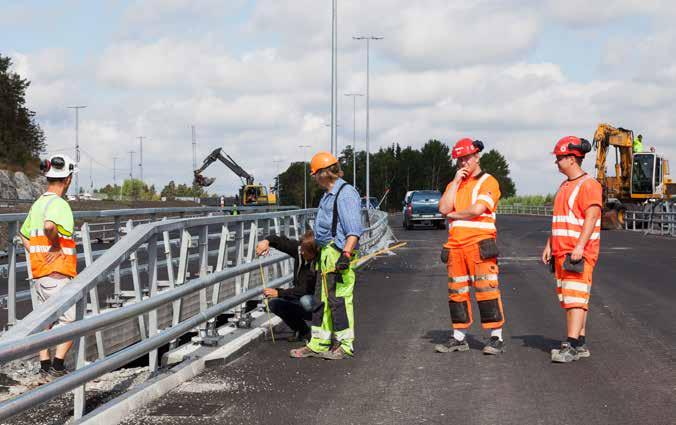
x=320 y=333
x=473 y=224
x=492 y=215
x=573 y=285
x=458 y=279
x=458 y=291
x=344 y=334
x=43 y=249
x=485 y=277
x=573 y=196
x=573 y=234
x=38 y=232
x=573 y=300
x=571 y=219
x=486 y=289
x=477 y=187
x=487 y=199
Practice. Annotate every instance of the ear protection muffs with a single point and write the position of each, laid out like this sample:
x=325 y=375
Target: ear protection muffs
x=478 y=144
x=584 y=146
x=45 y=165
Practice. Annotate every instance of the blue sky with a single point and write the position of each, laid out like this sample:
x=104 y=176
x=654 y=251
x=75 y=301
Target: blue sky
x=253 y=76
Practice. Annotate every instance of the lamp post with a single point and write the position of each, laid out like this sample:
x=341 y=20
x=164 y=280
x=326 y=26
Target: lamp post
x=77 y=143
x=368 y=39
x=303 y=147
x=354 y=135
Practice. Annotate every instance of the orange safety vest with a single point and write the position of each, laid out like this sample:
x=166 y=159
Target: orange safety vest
x=50 y=208
x=570 y=204
x=482 y=189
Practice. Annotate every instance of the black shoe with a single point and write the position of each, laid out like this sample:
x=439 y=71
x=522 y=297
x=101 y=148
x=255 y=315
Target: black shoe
x=57 y=373
x=453 y=345
x=494 y=346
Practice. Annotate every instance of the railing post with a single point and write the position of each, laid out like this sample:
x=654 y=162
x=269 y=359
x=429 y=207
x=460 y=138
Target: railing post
x=136 y=280
x=79 y=398
x=11 y=275
x=221 y=261
x=180 y=278
x=117 y=287
x=152 y=283
x=94 y=293
x=204 y=266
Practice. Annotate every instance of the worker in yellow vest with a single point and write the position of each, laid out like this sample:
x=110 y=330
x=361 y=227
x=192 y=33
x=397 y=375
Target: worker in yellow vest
x=48 y=236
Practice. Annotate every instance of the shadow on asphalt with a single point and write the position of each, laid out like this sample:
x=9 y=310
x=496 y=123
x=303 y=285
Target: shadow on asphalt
x=538 y=341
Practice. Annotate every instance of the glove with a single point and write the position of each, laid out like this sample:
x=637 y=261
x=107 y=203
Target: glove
x=343 y=262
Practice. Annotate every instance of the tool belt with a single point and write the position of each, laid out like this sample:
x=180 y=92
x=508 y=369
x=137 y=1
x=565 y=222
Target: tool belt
x=445 y=252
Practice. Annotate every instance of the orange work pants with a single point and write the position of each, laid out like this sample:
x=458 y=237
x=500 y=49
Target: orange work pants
x=466 y=266
x=573 y=288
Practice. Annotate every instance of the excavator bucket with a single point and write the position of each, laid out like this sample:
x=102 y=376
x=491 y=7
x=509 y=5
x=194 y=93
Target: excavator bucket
x=202 y=181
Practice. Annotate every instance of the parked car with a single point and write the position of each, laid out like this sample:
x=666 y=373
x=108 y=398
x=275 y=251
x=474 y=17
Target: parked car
x=422 y=207
x=373 y=201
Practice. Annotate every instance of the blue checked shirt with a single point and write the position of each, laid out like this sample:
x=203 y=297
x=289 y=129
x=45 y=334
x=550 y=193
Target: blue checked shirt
x=349 y=216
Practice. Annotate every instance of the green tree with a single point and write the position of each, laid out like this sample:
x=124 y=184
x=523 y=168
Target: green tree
x=21 y=138
x=496 y=165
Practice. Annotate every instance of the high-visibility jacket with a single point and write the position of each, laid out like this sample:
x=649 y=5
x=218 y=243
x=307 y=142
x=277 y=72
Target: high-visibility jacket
x=570 y=204
x=481 y=189
x=637 y=146
x=50 y=207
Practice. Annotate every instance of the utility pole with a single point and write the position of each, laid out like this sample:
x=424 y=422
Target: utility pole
x=114 y=175
x=131 y=165
x=77 y=143
x=194 y=148
x=368 y=39
x=334 y=77
x=303 y=147
x=354 y=135
x=140 y=161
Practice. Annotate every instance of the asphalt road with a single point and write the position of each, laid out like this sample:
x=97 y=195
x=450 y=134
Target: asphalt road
x=401 y=312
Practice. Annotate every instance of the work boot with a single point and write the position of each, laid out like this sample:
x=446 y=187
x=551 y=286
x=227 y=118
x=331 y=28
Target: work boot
x=494 y=346
x=302 y=352
x=453 y=345
x=335 y=354
x=583 y=351
x=565 y=354
x=57 y=373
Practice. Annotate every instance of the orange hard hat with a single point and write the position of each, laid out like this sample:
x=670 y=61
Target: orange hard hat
x=466 y=146
x=322 y=160
x=571 y=145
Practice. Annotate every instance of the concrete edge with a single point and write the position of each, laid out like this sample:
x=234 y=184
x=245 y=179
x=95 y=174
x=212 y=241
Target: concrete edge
x=116 y=410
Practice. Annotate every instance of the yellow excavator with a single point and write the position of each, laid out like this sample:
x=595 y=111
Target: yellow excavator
x=641 y=178
x=250 y=194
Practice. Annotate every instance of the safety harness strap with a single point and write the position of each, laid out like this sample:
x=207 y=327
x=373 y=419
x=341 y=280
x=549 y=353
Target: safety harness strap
x=334 y=225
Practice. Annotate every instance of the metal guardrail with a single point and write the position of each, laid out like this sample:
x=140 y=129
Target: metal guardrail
x=649 y=221
x=28 y=336
x=109 y=231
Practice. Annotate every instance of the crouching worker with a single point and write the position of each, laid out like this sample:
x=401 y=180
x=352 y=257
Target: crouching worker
x=294 y=305
x=47 y=235
x=337 y=229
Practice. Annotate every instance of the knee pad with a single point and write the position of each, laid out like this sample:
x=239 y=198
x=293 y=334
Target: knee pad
x=490 y=311
x=459 y=311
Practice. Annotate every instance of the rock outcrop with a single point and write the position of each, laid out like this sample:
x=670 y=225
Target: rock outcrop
x=17 y=185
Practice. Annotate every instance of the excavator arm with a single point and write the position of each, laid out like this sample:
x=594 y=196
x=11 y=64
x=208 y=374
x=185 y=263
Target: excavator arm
x=217 y=155
x=621 y=139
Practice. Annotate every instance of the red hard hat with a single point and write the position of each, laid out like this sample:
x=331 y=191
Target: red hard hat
x=466 y=146
x=571 y=145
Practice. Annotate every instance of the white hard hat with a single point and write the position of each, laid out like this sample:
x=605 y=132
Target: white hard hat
x=59 y=166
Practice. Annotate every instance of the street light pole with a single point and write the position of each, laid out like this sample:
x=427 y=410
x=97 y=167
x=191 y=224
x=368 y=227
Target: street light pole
x=354 y=135
x=334 y=77
x=77 y=143
x=368 y=39
x=303 y=147
x=140 y=161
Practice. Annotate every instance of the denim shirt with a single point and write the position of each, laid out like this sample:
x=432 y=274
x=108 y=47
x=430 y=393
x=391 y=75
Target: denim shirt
x=349 y=216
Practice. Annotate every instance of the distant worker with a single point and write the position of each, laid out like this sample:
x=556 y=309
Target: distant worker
x=337 y=230
x=47 y=234
x=469 y=202
x=251 y=196
x=234 y=210
x=294 y=305
x=222 y=201
x=638 y=144
x=573 y=246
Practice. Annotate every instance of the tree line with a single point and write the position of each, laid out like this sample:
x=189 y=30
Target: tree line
x=395 y=168
x=21 y=138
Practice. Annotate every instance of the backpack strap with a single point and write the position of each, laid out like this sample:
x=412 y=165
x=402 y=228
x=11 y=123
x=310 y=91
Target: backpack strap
x=334 y=225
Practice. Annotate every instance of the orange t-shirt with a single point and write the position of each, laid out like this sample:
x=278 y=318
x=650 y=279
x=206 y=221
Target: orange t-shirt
x=481 y=189
x=570 y=204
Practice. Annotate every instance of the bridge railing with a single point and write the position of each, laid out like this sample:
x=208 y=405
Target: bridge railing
x=516 y=209
x=161 y=316
x=102 y=227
